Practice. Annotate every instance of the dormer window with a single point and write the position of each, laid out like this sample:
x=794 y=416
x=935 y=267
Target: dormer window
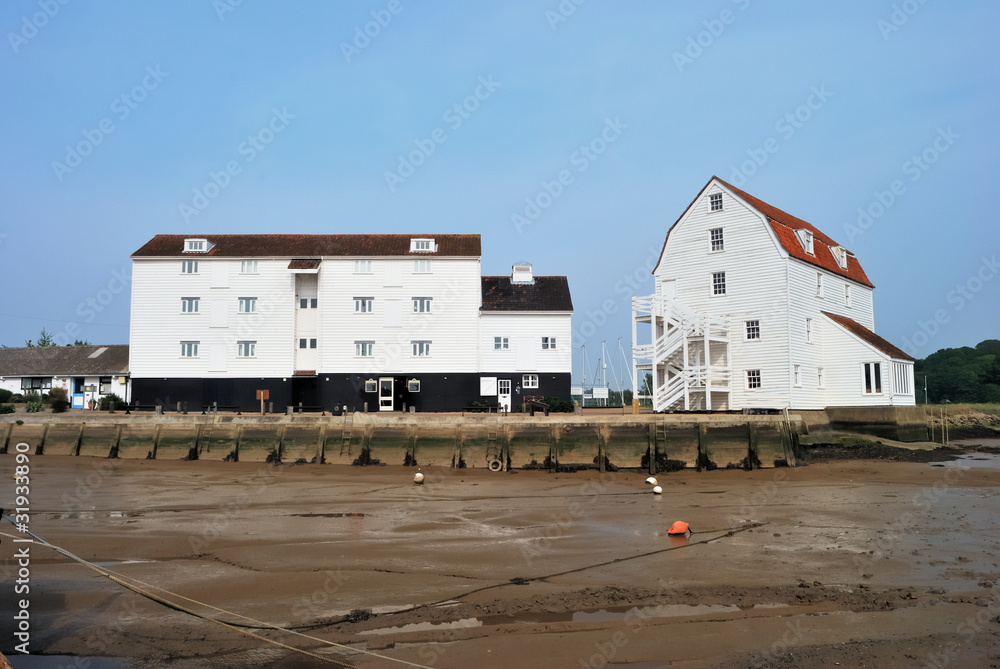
x=715 y=202
x=840 y=255
x=521 y=273
x=422 y=246
x=196 y=246
x=806 y=239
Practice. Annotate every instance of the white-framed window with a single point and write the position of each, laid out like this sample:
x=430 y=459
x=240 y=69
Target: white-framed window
x=809 y=330
x=753 y=330
x=189 y=305
x=529 y=381
x=718 y=241
x=189 y=267
x=364 y=349
x=422 y=246
x=901 y=372
x=797 y=375
x=362 y=266
x=421 y=266
x=808 y=243
x=873 y=378
x=195 y=245
x=819 y=377
x=189 y=349
x=847 y=295
x=421 y=349
x=501 y=343
x=308 y=303
x=548 y=343
x=363 y=305
x=753 y=379
x=421 y=305
x=307 y=343
x=371 y=385
x=715 y=202
x=819 y=285
x=105 y=385
x=248 y=267
x=248 y=305
x=246 y=349
x=718 y=283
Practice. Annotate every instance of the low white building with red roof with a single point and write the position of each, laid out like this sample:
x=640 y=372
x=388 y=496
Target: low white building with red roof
x=755 y=308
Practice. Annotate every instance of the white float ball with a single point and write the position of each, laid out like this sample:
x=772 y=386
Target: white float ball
x=651 y=481
x=657 y=490
x=418 y=478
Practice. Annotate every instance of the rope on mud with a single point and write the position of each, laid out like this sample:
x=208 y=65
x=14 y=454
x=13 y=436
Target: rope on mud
x=120 y=579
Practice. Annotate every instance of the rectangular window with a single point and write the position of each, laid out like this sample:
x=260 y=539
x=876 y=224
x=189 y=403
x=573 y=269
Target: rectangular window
x=808 y=243
x=303 y=303
x=715 y=201
x=189 y=267
x=847 y=295
x=819 y=377
x=303 y=343
x=873 y=378
x=195 y=245
x=753 y=379
x=363 y=349
x=362 y=266
x=501 y=343
x=363 y=305
x=246 y=349
x=753 y=330
x=421 y=266
x=105 y=382
x=529 y=381
x=718 y=243
x=189 y=349
x=189 y=305
x=313 y=302
x=548 y=343
x=809 y=330
x=718 y=283
x=312 y=343
x=421 y=349
x=819 y=285
x=422 y=246
x=248 y=267
x=797 y=375
x=421 y=305
x=248 y=305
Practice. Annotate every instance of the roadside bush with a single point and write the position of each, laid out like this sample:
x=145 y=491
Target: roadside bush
x=110 y=402
x=558 y=405
x=31 y=396
x=58 y=398
x=35 y=406
x=5 y=395
x=6 y=408
x=17 y=398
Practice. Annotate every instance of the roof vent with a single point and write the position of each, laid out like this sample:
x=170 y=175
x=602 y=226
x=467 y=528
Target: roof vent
x=522 y=274
x=98 y=352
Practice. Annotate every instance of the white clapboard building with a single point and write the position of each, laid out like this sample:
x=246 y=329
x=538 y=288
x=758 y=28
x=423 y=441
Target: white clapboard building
x=755 y=308
x=342 y=321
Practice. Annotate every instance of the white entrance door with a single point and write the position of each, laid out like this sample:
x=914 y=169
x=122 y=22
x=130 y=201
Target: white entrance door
x=503 y=394
x=385 y=393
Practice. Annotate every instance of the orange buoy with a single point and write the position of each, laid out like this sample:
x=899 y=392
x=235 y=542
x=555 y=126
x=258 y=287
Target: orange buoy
x=679 y=527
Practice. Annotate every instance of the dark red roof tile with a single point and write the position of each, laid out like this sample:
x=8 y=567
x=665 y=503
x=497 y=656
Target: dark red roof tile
x=860 y=331
x=304 y=246
x=546 y=293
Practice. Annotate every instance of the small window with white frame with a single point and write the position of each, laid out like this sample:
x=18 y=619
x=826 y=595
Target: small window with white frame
x=548 y=343
x=421 y=349
x=797 y=375
x=421 y=266
x=529 y=381
x=246 y=349
x=422 y=305
x=363 y=267
x=248 y=305
x=248 y=267
x=819 y=284
x=196 y=245
x=873 y=378
x=809 y=330
x=189 y=267
x=752 y=330
x=364 y=349
x=753 y=379
x=718 y=283
x=422 y=246
x=715 y=202
x=847 y=295
x=189 y=349
x=501 y=343
x=363 y=305
x=806 y=237
x=819 y=377
x=189 y=305
x=717 y=239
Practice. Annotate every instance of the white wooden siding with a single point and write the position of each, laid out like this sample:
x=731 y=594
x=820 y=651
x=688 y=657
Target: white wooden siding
x=524 y=331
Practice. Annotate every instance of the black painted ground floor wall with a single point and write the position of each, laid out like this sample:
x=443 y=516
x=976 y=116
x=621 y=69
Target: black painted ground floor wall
x=338 y=392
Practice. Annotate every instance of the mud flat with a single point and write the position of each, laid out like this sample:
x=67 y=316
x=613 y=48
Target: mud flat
x=857 y=562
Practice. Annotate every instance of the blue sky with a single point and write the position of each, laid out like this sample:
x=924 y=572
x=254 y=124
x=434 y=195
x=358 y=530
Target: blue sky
x=686 y=90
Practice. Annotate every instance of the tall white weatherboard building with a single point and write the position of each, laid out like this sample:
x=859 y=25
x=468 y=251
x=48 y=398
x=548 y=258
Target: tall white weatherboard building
x=755 y=308
x=340 y=321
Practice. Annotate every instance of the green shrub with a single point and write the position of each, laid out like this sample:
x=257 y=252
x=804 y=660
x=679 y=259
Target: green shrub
x=58 y=400
x=35 y=406
x=32 y=396
x=559 y=405
x=6 y=408
x=5 y=395
x=110 y=402
x=58 y=394
x=17 y=398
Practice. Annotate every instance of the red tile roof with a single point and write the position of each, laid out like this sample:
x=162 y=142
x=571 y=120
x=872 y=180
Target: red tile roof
x=860 y=331
x=305 y=246
x=304 y=264
x=546 y=293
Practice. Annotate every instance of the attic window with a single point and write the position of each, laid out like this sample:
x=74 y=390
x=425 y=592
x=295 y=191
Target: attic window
x=806 y=239
x=196 y=246
x=422 y=246
x=715 y=202
x=840 y=255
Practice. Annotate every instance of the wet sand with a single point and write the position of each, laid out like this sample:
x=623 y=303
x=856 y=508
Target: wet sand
x=861 y=563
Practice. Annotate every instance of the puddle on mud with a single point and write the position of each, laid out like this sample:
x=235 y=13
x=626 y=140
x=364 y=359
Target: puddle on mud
x=90 y=515
x=116 y=563
x=972 y=461
x=427 y=627
x=329 y=515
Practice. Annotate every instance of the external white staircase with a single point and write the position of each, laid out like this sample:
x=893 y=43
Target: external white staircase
x=688 y=356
